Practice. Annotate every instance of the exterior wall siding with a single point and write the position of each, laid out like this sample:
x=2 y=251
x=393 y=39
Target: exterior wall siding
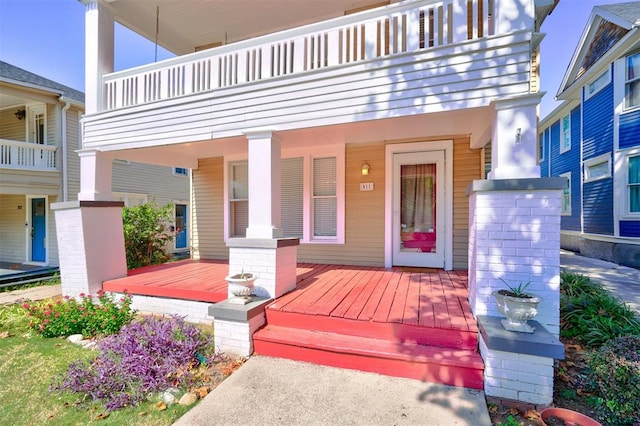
x=598 y=140
x=158 y=182
x=10 y=127
x=630 y=228
x=629 y=133
x=72 y=162
x=364 y=210
x=13 y=211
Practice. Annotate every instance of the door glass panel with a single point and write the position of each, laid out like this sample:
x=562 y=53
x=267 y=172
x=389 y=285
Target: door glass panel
x=418 y=208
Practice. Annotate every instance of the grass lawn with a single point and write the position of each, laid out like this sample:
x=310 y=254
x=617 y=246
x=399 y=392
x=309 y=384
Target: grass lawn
x=29 y=364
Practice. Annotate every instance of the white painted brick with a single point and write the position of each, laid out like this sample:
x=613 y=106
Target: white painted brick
x=500 y=392
x=518 y=386
x=495 y=371
x=534 y=398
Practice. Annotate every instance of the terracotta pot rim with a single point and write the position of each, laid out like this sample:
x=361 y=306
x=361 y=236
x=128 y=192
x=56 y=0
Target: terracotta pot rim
x=573 y=417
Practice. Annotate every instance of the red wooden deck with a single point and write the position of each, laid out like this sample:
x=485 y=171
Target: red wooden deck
x=405 y=322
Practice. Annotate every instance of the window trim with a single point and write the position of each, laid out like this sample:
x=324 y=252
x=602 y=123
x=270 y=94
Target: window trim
x=628 y=214
x=587 y=164
x=33 y=111
x=564 y=212
x=541 y=147
x=603 y=79
x=564 y=148
x=337 y=151
x=626 y=107
x=174 y=171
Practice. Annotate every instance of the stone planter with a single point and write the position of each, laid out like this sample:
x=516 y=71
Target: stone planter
x=241 y=287
x=569 y=417
x=518 y=310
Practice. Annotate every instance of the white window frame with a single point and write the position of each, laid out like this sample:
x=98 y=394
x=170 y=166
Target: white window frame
x=599 y=83
x=337 y=151
x=541 y=147
x=563 y=211
x=174 y=170
x=596 y=161
x=129 y=197
x=628 y=81
x=565 y=135
x=33 y=112
x=627 y=209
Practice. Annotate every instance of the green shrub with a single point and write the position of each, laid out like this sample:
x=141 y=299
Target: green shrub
x=591 y=315
x=146 y=234
x=70 y=316
x=615 y=369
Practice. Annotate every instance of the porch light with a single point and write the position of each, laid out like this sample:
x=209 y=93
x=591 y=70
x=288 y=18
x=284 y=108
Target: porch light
x=518 y=134
x=20 y=114
x=365 y=169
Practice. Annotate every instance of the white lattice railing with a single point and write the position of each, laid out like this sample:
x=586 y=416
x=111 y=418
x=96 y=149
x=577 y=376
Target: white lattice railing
x=346 y=40
x=27 y=155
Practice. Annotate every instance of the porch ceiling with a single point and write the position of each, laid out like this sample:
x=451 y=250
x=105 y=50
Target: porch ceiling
x=475 y=122
x=183 y=26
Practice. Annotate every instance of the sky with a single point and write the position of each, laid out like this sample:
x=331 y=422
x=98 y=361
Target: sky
x=46 y=37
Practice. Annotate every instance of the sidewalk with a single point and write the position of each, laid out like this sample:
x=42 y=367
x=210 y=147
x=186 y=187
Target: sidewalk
x=623 y=282
x=32 y=293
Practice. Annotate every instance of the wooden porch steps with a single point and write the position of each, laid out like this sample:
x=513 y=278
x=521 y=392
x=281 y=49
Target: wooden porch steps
x=457 y=367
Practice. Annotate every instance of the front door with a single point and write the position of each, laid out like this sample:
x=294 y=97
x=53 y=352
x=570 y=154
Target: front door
x=38 y=229
x=181 y=226
x=418 y=209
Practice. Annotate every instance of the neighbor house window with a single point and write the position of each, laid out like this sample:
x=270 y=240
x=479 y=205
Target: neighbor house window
x=597 y=168
x=598 y=84
x=566 y=195
x=541 y=147
x=632 y=81
x=565 y=141
x=180 y=171
x=130 y=199
x=633 y=185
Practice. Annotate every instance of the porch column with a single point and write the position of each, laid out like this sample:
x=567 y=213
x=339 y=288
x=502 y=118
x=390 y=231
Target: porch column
x=99 y=52
x=514 y=139
x=90 y=244
x=95 y=175
x=264 y=185
x=514 y=235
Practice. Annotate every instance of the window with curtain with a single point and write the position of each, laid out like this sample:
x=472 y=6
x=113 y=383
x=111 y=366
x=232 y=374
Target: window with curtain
x=632 y=81
x=325 y=198
x=634 y=184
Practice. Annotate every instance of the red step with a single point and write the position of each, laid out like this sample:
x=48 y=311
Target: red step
x=457 y=367
x=462 y=338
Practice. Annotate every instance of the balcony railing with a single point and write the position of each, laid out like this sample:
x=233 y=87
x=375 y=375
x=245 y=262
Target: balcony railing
x=401 y=28
x=27 y=156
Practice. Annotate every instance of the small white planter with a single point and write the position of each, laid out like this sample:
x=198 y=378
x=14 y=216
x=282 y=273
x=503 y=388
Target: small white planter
x=518 y=311
x=241 y=287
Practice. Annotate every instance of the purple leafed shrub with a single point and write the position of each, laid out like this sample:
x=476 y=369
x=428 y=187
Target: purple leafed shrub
x=147 y=356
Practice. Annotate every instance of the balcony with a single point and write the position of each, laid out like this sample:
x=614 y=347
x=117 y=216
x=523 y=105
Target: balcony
x=27 y=156
x=409 y=58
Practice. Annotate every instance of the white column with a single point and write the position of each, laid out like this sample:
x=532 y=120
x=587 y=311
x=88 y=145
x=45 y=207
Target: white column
x=95 y=175
x=98 y=60
x=264 y=185
x=514 y=138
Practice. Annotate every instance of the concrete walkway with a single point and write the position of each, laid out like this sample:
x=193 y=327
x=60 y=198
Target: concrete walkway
x=32 y=293
x=271 y=391
x=621 y=281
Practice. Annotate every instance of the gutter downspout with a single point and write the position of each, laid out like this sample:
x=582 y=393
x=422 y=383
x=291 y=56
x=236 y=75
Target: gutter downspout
x=63 y=142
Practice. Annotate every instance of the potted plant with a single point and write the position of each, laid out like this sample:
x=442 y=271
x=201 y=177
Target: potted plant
x=518 y=306
x=558 y=416
x=241 y=287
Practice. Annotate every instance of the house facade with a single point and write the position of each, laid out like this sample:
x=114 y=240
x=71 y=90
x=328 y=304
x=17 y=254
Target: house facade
x=593 y=138
x=40 y=135
x=339 y=133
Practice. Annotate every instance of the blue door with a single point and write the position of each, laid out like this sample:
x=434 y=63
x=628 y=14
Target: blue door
x=38 y=230
x=181 y=226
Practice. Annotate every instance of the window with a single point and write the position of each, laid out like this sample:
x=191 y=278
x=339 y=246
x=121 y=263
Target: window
x=130 y=199
x=633 y=185
x=597 y=168
x=598 y=84
x=314 y=218
x=632 y=81
x=239 y=200
x=37 y=125
x=566 y=196
x=541 y=148
x=325 y=198
x=180 y=171
x=565 y=140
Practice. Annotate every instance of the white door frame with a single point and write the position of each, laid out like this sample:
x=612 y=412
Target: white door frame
x=29 y=224
x=390 y=150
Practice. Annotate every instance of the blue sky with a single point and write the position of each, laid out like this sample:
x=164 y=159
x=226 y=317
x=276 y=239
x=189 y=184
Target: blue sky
x=47 y=37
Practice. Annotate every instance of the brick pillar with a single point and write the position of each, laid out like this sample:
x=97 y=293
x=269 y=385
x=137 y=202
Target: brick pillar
x=90 y=244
